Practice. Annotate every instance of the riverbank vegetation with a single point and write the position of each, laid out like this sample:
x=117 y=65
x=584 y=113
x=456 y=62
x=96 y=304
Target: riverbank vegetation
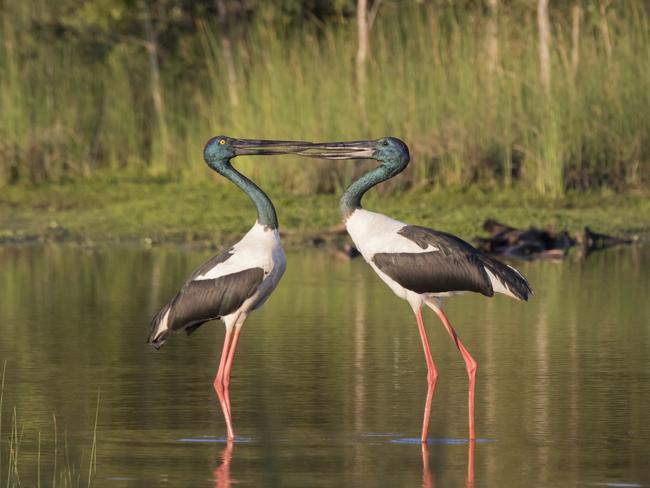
x=92 y=89
x=158 y=210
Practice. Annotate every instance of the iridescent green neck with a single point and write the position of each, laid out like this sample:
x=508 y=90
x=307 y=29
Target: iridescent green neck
x=265 y=211
x=351 y=199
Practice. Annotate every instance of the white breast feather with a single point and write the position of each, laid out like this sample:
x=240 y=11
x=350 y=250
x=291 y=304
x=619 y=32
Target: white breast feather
x=374 y=233
x=255 y=250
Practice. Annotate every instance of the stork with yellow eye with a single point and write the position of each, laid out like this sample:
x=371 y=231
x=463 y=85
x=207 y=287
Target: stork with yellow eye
x=234 y=283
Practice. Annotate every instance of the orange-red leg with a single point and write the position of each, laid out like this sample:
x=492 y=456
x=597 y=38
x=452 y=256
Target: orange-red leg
x=470 y=365
x=432 y=375
x=219 y=386
x=228 y=367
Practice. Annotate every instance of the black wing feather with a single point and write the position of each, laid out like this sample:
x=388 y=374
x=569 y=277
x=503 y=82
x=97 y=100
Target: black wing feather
x=200 y=301
x=433 y=272
x=205 y=300
x=456 y=266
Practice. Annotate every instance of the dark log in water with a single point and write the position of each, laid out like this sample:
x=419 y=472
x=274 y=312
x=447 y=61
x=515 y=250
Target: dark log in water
x=504 y=240
x=534 y=243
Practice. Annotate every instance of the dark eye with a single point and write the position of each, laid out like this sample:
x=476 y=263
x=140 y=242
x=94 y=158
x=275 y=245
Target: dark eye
x=384 y=142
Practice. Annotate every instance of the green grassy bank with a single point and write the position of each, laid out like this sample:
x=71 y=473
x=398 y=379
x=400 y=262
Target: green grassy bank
x=214 y=212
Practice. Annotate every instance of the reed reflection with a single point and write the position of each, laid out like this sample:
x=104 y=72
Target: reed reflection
x=566 y=390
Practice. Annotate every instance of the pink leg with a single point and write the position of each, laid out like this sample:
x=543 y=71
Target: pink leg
x=228 y=367
x=470 y=366
x=218 y=383
x=432 y=375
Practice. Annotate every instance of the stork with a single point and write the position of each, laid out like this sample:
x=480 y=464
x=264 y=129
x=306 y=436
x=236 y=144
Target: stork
x=236 y=282
x=419 y=264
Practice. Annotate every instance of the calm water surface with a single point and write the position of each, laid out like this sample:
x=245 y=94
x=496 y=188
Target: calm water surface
x=329 y=381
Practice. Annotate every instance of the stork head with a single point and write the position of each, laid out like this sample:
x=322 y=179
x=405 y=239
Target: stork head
x=219 y=150
x=393 y=153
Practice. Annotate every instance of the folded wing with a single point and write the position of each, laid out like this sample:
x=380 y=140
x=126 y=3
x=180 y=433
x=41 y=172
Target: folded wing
x=454 y=265
x=200 y=301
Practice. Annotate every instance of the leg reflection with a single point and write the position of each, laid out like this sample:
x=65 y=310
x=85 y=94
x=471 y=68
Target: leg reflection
x=470 y=464
x=221 y=473
x=427 y=475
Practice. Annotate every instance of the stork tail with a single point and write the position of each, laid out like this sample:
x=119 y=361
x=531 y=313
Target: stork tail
x=160 y=328
x=506 y=279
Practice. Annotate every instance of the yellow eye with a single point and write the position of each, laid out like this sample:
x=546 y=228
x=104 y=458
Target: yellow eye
x=222 y=141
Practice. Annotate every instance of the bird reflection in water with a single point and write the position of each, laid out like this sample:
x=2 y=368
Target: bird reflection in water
x=427 y=475
x=221 y=473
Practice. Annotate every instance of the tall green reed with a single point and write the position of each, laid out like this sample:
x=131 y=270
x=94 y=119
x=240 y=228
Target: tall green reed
x=429 y=82
x=16 y=449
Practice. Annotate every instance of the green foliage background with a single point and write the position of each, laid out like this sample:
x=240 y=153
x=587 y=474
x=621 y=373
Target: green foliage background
x=76 y=90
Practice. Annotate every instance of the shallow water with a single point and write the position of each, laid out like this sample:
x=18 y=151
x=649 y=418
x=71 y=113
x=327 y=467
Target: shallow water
x=329 y=380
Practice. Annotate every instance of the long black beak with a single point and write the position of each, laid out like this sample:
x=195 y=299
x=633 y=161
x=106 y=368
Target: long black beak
x=325 y=150
x=337 y=150
x=264 y=146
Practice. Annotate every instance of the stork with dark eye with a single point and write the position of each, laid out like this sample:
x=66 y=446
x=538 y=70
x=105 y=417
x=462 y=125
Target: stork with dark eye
x=419 y=264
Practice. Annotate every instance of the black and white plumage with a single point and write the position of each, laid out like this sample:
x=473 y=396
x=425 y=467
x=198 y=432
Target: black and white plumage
x=419 y=264
x=236 y=282
x=228 y=286
x=423 y=266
